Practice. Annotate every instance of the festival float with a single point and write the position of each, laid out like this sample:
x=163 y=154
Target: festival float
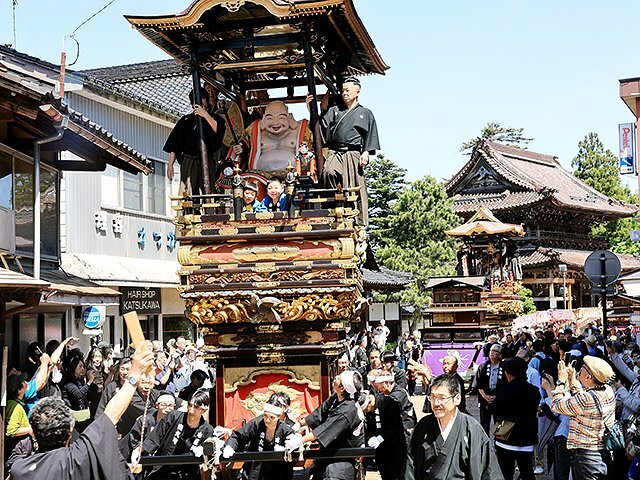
x=271 y=293
x=482 y=297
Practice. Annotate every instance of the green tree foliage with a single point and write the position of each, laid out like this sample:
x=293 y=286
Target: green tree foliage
x=414 y=240
x=385 y=181
x=526 y=295
x=495 y=132
x=597 y=166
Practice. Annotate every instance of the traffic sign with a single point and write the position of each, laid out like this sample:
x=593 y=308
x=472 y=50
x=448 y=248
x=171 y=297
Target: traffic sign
x=602 y=267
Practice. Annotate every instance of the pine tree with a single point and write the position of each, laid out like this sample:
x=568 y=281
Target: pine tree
x=414 y=240
x=495 y=132
x=385 y=182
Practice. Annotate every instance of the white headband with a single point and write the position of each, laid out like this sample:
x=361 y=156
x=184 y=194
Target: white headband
x=273 y=409
x=346 y=378
x=384 y=378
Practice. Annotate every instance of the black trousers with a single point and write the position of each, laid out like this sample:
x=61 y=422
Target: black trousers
x=507 y=460
x=485 y=417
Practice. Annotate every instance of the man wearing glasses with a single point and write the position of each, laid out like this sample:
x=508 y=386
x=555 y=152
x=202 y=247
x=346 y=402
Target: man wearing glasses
x=489 y=379
x=448 y=444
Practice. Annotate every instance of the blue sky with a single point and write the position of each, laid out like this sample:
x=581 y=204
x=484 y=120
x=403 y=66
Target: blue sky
x=551 y=67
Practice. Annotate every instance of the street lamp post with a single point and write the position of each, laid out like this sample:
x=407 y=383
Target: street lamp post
x=562 y=268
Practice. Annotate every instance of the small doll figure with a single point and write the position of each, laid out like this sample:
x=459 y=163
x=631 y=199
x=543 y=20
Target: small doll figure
x=306 y=161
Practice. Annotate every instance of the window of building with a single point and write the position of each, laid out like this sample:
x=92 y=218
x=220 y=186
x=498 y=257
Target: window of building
x=49 y=222
x=157 y=189
x=144 y=193
x=16 y=192
x=23 y=205
x=174 y=327
x=132 y=191
x=6 y=180
x=110 y=186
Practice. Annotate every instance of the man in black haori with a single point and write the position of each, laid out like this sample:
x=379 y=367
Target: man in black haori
x=386 y=431
x=180 y=433
x=338 y=423
x=265 y=433
x=448 y=444
x=350 y=134
x=183 y=144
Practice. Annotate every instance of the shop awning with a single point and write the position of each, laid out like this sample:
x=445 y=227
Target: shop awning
x=18 y=287
x=66 y=289
x=108 y=270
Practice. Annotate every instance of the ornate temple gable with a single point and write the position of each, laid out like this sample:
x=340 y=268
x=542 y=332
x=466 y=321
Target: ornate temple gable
x=529 y=187
x=483 y=178
x=487 y=172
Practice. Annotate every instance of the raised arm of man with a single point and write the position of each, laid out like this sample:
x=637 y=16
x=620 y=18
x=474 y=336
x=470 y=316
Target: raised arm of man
x=140 y=363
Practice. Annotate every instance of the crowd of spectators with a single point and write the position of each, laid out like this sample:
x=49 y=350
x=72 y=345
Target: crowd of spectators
x=548 y=400
x=86 y=383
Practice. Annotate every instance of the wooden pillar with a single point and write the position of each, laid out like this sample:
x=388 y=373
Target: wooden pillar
x=314 y=124
x=570 y=302
x=195 y=76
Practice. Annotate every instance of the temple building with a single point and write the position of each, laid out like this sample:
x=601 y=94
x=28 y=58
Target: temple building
x=556 y=209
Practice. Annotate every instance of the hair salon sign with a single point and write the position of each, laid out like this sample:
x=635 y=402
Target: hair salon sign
x=145 y=301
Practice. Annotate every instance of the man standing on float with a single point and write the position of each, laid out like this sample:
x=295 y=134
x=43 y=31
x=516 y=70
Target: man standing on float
x=350 y=134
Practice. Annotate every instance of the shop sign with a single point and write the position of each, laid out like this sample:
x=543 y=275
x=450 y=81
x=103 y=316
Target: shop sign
x=93 y=316
x=635 y=319
x=627 y=155
x=145 y=301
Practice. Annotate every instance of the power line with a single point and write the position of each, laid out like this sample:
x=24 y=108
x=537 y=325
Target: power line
x=72 y=36
x=92 y=16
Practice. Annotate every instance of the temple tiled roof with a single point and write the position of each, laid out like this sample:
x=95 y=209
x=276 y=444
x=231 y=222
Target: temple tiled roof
x=516 y=178
x=574 y=258
x=385 y=279
x=496 y=201
x=162 y=85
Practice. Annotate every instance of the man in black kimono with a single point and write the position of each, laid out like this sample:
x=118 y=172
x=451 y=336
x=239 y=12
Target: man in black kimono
x=182 y=145
x=350 y=133
x=387 y=386
x=137 y=404
x=94 y=455
x=449 y=444
x=180 y=433
x=337 y=423
x=165 y=404
x=386 y=433
x=265 y=433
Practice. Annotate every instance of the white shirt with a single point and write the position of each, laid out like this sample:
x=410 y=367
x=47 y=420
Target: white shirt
x=445 y=433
